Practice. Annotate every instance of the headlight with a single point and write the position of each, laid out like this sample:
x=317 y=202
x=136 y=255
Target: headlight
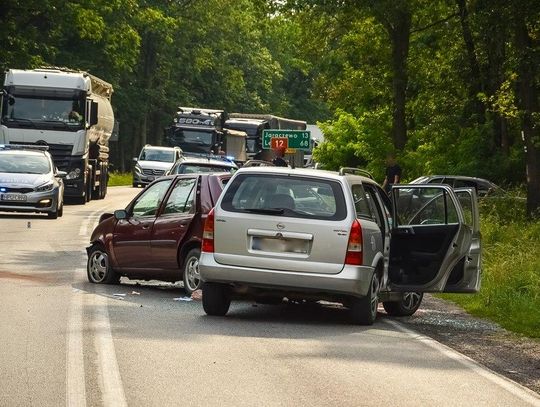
x=45 y=187
x=73 y=174
x=138 y=169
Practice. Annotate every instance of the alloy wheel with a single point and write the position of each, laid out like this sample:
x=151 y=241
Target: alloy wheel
x=98 y=266
x=192 y=273
x=410 y=300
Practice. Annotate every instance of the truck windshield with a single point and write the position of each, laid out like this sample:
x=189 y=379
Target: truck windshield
x=24 y=164
x=195 y=141
x=39 y=111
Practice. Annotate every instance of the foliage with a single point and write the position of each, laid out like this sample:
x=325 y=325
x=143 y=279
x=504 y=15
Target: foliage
x=117 y=179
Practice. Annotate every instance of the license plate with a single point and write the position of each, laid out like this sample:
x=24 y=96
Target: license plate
x=13 y=197
x=268 y=244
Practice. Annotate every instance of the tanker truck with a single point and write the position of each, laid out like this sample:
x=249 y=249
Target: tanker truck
x=71 y=113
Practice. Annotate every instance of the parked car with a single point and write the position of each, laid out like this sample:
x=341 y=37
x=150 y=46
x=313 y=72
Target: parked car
x=153 y=162
x=482 y=186
x=191 y=165
x=29 y=181
x=158 y=236
x=318 y=235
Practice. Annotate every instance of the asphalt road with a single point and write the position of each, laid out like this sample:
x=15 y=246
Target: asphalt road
x=64 y=341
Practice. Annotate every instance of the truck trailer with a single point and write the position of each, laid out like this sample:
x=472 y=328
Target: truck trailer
x=202 y=132
x=71 y=113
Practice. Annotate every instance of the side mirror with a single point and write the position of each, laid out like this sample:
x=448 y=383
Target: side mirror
x=135 y=159
x=93 y=113
x=61 y=174
x=120 y=214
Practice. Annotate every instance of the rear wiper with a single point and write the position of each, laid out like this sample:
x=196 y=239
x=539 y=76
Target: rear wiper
x=275 y=211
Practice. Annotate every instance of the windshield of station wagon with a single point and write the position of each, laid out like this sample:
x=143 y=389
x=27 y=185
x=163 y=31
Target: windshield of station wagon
x=285 y=196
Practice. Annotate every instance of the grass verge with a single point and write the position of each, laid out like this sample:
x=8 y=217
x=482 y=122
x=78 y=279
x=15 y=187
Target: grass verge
x=117 y=179
x=510 y=293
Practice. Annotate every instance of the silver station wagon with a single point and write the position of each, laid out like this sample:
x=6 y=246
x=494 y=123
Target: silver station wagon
x=314 y=235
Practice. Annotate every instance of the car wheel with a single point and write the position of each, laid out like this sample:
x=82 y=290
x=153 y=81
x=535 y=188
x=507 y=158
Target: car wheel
x=191 y=275
x=363 y=310
x=99 y=270
x=61 y=211
x=216 y=299
x=407 y=306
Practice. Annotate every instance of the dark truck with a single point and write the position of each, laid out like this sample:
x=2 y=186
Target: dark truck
x=158 y=235
x=255 y=124
x=203 y=132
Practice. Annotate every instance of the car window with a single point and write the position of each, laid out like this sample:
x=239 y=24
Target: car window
x=361 y=204
x=465 y=183
x=148 y=203
x=374 y=205
x=181 y=199
x=282 y=195
x=152 y=154
x=435 y=181
x=431 y=206
x=24 y=164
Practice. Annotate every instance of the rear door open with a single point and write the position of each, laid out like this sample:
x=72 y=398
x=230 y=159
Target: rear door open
x=430 y=237
x=466 y=276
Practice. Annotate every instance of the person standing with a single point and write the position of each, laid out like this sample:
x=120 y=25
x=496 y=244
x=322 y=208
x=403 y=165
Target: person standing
x=279 y=161
x=393 y=173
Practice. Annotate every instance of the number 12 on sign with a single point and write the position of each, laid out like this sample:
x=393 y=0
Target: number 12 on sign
x=279 y=143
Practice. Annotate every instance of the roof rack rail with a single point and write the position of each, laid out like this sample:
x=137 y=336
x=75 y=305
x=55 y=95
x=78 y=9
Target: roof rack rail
x=357 y=171
x=23 y=147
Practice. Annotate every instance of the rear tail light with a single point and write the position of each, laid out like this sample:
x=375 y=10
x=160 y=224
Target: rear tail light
x=354 y=249
x=208 y=233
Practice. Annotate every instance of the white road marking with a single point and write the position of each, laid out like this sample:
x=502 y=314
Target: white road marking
x=110 y=380
x=512 y=387
x=75 y=378
x=90 y=221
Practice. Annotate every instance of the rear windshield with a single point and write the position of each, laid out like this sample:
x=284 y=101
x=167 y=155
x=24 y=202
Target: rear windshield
x=196 y=168
x=290 y=196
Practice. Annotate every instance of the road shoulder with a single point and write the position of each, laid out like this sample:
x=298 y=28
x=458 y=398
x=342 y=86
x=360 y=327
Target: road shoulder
x=510 y=355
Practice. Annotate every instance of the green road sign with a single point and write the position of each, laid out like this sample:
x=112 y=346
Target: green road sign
x=299 y=139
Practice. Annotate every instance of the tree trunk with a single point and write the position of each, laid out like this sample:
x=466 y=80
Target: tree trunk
x=528 y=99
x=399 y=33
x=475 y=79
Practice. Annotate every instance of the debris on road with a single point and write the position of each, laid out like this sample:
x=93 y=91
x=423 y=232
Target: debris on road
x=186 y=299
x=196 y=295
x=135 y=293
x=119 y=295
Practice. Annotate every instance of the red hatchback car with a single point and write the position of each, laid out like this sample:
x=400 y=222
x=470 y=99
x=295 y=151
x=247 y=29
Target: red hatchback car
x=158 y=236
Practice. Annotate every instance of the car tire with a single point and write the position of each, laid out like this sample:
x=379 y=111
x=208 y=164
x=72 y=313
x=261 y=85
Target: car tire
x=407 y=306
x=61 y=210
x=190 y=271
x=98 y=267
x=135 y=185
x=216 y=299
x=363 y=311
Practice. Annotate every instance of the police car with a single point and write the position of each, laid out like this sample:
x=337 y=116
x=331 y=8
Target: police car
x=29 y=181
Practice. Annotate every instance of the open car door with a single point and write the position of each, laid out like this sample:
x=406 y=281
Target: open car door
x=430 y=238
x=466 y=276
